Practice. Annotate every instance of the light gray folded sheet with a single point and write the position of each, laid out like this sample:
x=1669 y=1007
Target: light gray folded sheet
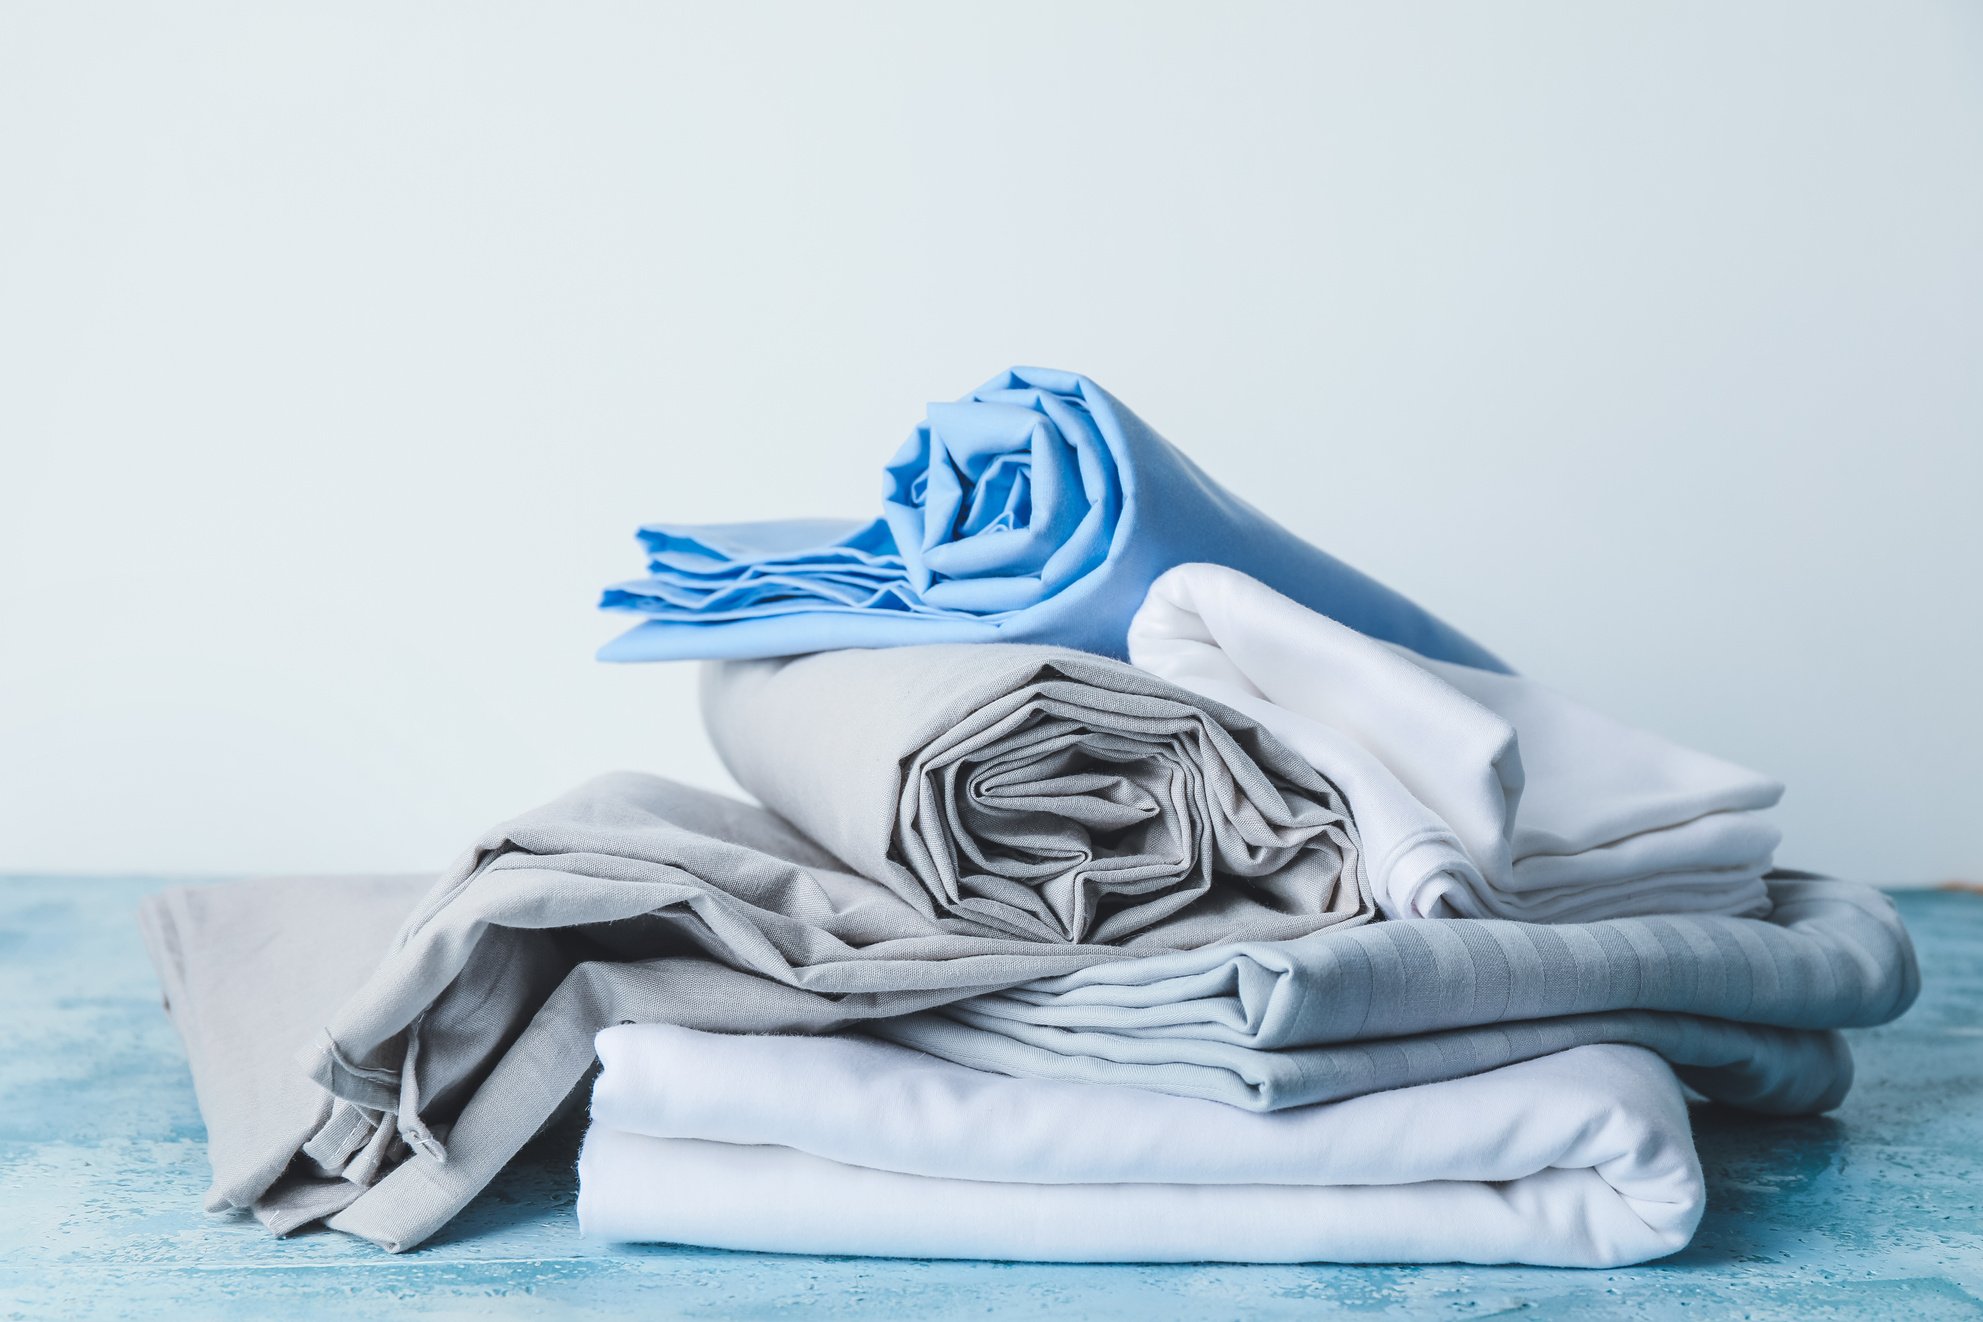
x=1742 y=1006
x=1042 y=793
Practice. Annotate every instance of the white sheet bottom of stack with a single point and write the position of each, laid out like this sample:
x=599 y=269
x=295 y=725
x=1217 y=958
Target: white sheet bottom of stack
x=845 y=1145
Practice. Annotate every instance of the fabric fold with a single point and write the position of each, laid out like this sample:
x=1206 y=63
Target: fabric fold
x=390 y=1097
x=841 y=1145
x=1030 y=860
x=246 y=983
x=1037 y=509
x=1745 y=1005
x=1042 y=793
x=1479 y=795
x=430 y=1055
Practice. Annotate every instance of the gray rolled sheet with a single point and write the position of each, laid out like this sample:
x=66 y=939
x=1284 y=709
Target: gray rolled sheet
x=1743 y=1006
x=1042 y=793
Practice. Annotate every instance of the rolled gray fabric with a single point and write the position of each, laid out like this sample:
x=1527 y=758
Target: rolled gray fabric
x=1028 y=812
x=1042 y=793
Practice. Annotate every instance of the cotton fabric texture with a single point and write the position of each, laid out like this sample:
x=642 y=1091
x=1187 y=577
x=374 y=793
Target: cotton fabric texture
x=250 y=971
x=1031 y=860
x=841 y=1145
x=1477 y=795
x=1745 y=1008
x=1042 y=794
x=430 y=1062
x=1036 y=509
x=635 y=898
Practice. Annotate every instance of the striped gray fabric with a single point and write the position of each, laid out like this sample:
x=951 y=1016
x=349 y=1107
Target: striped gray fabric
x=1783 y=1071
x=1282 y=1024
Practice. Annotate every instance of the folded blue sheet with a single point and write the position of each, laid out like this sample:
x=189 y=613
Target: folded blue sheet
x=1037 y=509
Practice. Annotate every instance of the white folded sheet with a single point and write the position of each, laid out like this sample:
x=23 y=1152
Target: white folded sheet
x=844 y=1145
x=1477 y=794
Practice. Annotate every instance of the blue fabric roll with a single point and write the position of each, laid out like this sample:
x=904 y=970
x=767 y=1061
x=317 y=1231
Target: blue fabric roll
x=1037 y=509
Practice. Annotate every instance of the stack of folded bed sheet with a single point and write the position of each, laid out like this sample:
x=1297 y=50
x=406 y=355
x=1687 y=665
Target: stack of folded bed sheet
x=1127 y=880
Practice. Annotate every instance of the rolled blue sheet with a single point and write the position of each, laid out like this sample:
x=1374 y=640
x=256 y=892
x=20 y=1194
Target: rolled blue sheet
x=1037 y=509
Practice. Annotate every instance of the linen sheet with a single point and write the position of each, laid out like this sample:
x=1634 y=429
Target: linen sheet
x=1041 y=793
x=1478 y=795
x=1036 y=509
x=1744 y=1006
x=840 y=1145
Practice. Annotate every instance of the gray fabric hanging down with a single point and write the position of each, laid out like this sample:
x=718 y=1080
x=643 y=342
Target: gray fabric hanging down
x=251 y=970
x=1042 y=793
x=1742 y=1006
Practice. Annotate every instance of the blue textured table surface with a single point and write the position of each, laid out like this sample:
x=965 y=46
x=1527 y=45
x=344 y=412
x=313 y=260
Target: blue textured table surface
x=1870 y=1212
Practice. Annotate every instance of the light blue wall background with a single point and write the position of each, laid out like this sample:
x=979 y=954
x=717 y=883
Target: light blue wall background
x=342 y=347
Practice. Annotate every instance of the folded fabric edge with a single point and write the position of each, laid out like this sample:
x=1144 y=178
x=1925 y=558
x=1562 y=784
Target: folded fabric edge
x=719 y=1191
